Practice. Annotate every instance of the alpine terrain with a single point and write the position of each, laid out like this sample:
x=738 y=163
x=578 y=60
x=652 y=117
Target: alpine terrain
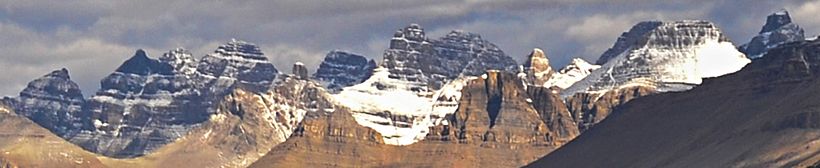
x=665 y=94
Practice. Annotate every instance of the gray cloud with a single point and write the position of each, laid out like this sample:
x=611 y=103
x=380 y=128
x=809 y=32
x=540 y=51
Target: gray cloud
x=92 y=37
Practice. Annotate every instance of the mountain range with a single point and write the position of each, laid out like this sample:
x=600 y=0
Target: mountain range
x=666 y=94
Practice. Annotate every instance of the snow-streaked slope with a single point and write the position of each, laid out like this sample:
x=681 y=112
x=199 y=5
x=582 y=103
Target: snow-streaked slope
x=389 y=106
x=672 y=57
x=575 y=71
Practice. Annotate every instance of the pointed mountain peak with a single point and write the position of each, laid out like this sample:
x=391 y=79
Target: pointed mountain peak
x=56 y=85
x=61 y=73
x=140 y=53
x=776 y=20
x=141 y=64
x=779 y=29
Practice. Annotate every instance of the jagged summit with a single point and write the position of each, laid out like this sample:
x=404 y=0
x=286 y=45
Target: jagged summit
x=241 y=49
x=56 y=84
x=238 y=60
x=413 y=32
x=61 y=73
x=779 y=29
x=776 y=20
x=342 y=68
x=52 y=101
x=180 y=59
x=432 y=63
x=141 y=64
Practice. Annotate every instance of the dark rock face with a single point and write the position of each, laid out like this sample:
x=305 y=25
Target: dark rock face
x=779 y=29
x=140 y=64
x=341 y=69
x=52 y=101
x=432 y=63
x=628 y=39
x=762 y=116
x=138 y=111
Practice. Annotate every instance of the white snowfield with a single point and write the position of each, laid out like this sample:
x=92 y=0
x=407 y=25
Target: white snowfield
x=370 y=104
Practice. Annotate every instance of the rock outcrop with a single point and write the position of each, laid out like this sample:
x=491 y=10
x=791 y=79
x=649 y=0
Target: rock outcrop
x=779 y=29
x=342 y=69
x=537 y=68
x=299 y=70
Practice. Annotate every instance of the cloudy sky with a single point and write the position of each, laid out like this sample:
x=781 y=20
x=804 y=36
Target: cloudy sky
x=92 y=37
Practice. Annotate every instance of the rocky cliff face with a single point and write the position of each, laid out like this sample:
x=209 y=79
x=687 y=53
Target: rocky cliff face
x=52 y=101
x=779 y=29
x=342 y=69
x=728 y=121
x=495 y=125
x=496 y=109
x=659 y=57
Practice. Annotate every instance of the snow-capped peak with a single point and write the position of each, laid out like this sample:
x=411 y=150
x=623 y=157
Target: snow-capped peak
x=673 y=56
x=575 y=71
